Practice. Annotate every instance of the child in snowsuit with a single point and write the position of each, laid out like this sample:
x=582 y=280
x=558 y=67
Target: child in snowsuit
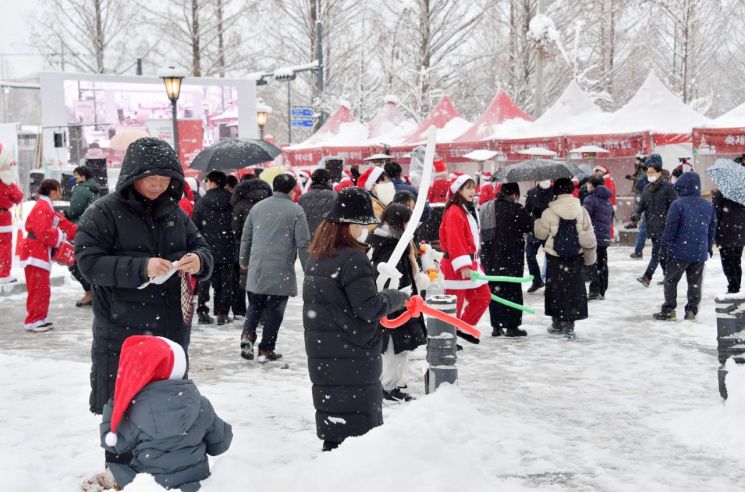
x=399 y=342
x=159 y=419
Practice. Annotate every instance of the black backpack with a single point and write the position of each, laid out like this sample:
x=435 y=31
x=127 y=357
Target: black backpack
x=566 y=241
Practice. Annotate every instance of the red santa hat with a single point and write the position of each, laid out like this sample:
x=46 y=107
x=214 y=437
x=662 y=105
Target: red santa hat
x=369 y=177
x=600 y=168
x=143 y=359
x=457 y=183
x=440 y=166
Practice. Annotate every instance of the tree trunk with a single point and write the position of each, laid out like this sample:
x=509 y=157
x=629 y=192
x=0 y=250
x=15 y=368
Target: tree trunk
x=196 y=52
x=220 y=39
x=425 y=57
x=612 y=48
x=98 y=41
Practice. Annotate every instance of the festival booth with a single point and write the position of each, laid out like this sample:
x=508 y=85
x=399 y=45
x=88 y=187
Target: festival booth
x=390 y=126
x=336 y=137
x=723 y=137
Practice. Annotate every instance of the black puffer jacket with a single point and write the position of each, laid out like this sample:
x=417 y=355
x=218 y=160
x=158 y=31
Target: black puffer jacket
x=212 y=216
x=410 y=335
x=655 y=202
x=341 y=309
x=316 y=203
x=115 y=237
x=536 y=202
x=730 y=222
x=246 y=194
x=503 y=226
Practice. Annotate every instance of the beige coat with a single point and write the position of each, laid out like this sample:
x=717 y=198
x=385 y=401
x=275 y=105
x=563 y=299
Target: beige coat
x=567 y=207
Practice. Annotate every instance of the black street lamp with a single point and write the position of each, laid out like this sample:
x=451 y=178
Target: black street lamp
x=262 y=114
x=172 y=79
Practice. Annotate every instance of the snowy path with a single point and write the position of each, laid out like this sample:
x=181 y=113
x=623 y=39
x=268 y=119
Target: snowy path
x=631 y=404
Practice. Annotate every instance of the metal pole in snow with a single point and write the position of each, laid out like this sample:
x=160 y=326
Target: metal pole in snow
x=441 y=345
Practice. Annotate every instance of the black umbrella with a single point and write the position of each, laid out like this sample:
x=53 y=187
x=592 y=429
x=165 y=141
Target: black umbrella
x=235 y=153
x=537 y=170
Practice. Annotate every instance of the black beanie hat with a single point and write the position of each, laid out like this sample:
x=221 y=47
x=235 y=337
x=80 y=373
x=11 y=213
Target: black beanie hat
x=563 y=186
x=352 y=206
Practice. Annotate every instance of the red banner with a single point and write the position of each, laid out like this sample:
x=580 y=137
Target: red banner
x=311 y=156
x=617 y=145
x=710 y=141
x=190 y=140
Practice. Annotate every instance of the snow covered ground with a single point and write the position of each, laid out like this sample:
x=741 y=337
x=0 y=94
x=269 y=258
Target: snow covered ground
x=631 y=404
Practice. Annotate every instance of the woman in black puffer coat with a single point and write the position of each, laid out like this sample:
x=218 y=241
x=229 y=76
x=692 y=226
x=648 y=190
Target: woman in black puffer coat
x=341 y=309
x=246 y=194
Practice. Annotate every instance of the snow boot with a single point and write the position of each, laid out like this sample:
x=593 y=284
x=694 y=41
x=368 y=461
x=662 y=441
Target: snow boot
x=535 y=287
x=86 y=300
x=515 y=332
x=205 y=319
x=267 y=356
x=637 y=255
x=555 y=328
x=223 y=319
x=644 y=281
x=329 y=445
x=567 y=330
x=496 y=332
x=595 y=296
x=247 y=345
x=690 y=316
x=663 y=316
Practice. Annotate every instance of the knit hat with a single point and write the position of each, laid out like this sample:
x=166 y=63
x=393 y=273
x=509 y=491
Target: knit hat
x=370 y=177
x=456 y=184
x=563 y=186
x=352 y=206
x=654 y=161
x=143 y=359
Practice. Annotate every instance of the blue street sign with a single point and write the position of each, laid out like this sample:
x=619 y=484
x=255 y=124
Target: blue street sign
x=302 y=122
x=302 y=111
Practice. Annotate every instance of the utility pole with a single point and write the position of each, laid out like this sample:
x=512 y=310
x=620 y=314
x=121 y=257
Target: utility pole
x=539 y=73
x=320 y=71
x=289 y=111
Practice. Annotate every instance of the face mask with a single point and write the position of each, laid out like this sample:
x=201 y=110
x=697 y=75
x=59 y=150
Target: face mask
x=652 y=179
x=385 y=192
x=544 y=184
x=363 y=235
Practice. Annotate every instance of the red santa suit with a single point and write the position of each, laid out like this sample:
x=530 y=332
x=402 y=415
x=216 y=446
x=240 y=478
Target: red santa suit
x=460 y=241
x=45 y=229
x=10 y=195
x=187 y=201
x=487 y=192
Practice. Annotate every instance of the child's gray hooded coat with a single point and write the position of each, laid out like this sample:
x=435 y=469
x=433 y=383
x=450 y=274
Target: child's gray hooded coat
x=169 y=428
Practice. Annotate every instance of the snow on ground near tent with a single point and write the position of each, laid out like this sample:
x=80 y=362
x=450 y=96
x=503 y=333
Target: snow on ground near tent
x=731 y=119
x=631 y=404
x=452 y=129
x=656 y=109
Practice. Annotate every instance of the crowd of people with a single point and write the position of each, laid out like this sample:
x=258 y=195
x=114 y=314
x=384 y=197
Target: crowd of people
x=146 y=250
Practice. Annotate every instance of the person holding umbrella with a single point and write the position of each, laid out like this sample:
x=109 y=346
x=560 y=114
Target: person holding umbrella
x=730 y=234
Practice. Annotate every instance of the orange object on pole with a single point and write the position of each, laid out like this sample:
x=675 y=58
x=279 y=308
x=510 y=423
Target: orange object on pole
x=416 y=306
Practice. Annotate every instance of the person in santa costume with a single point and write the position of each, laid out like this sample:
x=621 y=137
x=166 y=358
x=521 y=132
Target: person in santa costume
x=10 y=195
x=347 y=181
x=45 y=230
x=158 y=422
x=460 y=241
x=380 y=187
x=438 y=192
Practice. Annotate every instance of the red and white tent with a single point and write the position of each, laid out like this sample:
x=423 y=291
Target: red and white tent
x=722 y=137
x=502 y=117
x=390 y=125
x=445 y=118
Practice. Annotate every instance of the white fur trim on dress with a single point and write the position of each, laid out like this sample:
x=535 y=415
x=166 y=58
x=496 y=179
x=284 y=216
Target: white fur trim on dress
x=374 y=175
x=179 y=359
x=463 y=284
x=36 y=262
x=460 y=262
x=6 y=229
x=459 y=182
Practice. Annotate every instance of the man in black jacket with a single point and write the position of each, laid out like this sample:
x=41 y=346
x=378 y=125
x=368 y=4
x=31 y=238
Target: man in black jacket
x=128 y=238
x=212 y=217
x=656 y=199
x=535 y=203
x=318 y=200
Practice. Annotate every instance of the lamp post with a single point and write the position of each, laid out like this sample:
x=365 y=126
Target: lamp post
x=262 y=114
x=172 y=80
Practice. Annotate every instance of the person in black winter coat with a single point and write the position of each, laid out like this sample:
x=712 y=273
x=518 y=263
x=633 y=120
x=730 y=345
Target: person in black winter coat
x=247 y=193
x=127 y=237
x=504 y=222
x=399 y=342
x=318 y=200
x=730 y=238
x=536 y=202
x=656 y=199
x=341 y=311
x=212 y=216
x=598 y=206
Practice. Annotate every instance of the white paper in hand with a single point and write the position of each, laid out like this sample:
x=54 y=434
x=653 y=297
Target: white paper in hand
x=162 y=278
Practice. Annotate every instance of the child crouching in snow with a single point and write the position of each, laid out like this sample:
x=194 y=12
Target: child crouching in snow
x=160 y=419
x=398 y=343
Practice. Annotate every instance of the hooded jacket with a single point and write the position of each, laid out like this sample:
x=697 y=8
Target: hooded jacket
x=83 y=195
x=691 y=222
x=655 y=201
x=316 y=203
x=116 y=236
x=568 y=208
x=169 y=428
x=246 y=194
x=600 y=210
x=212 y=216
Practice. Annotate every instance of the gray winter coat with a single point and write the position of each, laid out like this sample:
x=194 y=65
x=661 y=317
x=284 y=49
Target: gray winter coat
x=169 y=428
x=316 y=203
x=275 y=232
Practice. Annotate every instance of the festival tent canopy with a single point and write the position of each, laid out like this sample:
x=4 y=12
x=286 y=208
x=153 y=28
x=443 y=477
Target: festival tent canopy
x=445 y=118
x=501 y=118
x=390 y=125
x=731 y=119
x=341 y=129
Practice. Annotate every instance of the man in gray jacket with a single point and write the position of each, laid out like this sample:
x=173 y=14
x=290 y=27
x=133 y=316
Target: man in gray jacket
x=275 y=233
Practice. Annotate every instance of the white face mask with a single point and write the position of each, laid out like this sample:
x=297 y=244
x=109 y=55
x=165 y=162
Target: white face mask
x=652 y=179
x=544 y=184
x=385 y=192
x=363 y=235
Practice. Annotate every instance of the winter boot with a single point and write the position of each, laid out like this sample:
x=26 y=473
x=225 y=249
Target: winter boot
x=515 y=332
x=399 y=395
x=535 y=287
x=86 y=300
x=664 y=316
x=268 y=356
x=205 y=319
x=637 y=255
x=595 y=296
x=555 y=328
x=690 y=316
x=496 y=331
x=567 y=330
x=247 y=345
x=329 y=445
x=644 y=281
x=223 y=319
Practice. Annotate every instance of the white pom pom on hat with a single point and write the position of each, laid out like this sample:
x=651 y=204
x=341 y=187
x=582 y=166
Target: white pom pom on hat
x=110 y=439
